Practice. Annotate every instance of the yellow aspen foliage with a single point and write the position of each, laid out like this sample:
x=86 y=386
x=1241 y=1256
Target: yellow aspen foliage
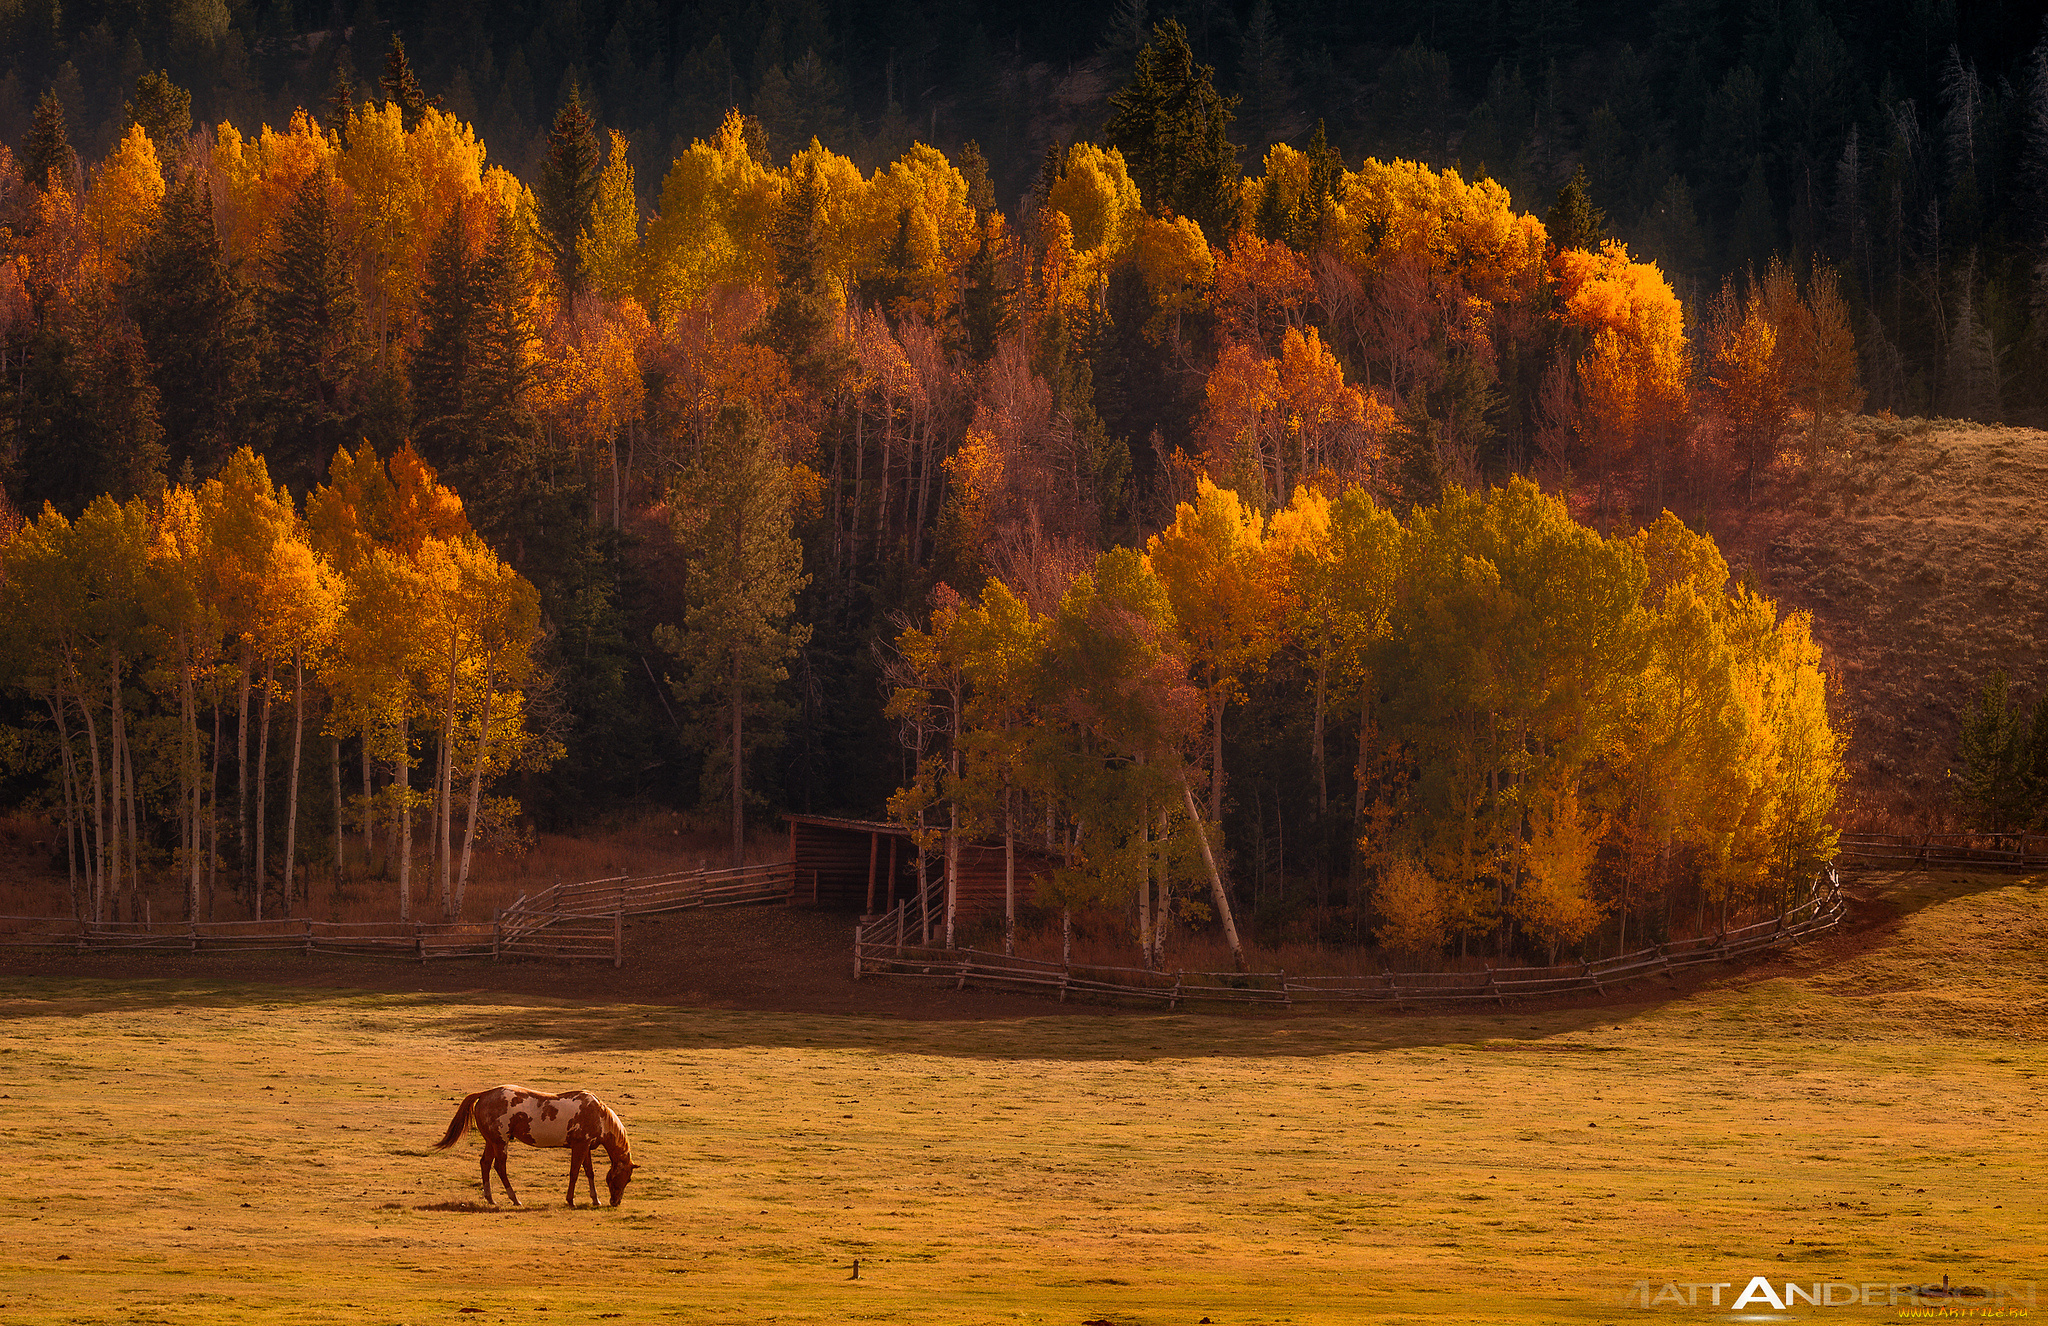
x=1240 y=427
x=387 y=217
x=609 y=248
x=263 y=175
x=127 y=196
x=1411 y=907
x=1332 y=428
x=1748 y=382
x=587 y=380
x=1632 y=376
x=1554 y=900
x=712 y=228
x=1174 y=260
x=1096 y=195
x=1218 y=581
x=942 y=224
x=1404 y=209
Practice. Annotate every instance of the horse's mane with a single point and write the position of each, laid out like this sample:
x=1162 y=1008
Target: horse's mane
x=615 y=1130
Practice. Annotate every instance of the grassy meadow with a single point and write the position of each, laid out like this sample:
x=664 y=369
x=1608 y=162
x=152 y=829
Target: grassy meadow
x=182 y=1151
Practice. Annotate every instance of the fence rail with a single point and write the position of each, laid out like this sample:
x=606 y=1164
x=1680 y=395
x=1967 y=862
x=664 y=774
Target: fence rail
x=885 y=946
x=1972 y=851
x=584 y=920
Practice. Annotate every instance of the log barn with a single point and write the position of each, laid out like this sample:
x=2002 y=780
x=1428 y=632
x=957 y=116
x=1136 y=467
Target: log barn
x=868 y=866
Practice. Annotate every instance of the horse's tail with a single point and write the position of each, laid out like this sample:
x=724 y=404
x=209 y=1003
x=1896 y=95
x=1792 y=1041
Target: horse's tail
x=460 y=1123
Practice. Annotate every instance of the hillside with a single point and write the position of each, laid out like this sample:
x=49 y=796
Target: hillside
x=1916 y=545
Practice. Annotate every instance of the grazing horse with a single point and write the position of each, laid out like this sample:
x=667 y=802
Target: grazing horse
x=575 y=1119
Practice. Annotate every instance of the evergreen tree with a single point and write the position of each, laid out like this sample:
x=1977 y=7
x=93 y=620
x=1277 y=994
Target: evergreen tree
x=745 y=568
x=802 y=312
x=1574 y=223
x=164 y=110
x=568 y=188
x=196 y=328
x=1998 y=755
x=981 y=191
x=85 y=420
x=988 y=303
x=1172 y=127
x=341 y=95
x=46 y=155
x=312 y=327
x=442 y=366
x=401 y=87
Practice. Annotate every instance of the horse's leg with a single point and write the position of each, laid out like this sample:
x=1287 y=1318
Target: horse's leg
x=589 y=1174
x=485 y=1166
x=578 y=1158
x=504 y=1178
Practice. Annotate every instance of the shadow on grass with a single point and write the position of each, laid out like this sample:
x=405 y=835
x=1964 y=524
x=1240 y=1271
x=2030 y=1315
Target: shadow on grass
x=619 y=1027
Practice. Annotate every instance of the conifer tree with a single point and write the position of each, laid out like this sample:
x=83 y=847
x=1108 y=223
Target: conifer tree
x=1574 y=223
x=312 y=327
x=442 y=365
x=1172 y=127
x=802 y=312
x=981 y=191
x=164 y=110
x=341 y=95
x=988 y=304
x=197 y=328
x=46 y=155
x=402 y=88
x=568 y=188
x=745 y=568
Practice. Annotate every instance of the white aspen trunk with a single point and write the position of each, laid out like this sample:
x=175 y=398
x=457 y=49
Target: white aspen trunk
x=291 y=809
x=334 y=745
x=1216 y=889
x=135 y=899
x=112 y=900
x=98 y=877
x=476 y=783
x=263 y=785
x=213 y=811
x=1322 y=707
x=190 y=703
x=739 y=810
x=401 y=773
x=1216 y=762
x=1164 y=910
x=369 y=805
x=1009 y=878
x=443 y=785
x=242 y=764
x=74 y=831
x=1145 y=889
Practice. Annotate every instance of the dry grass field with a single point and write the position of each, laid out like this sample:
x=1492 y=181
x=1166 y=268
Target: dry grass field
x=1917 y=545
x=182 y=1150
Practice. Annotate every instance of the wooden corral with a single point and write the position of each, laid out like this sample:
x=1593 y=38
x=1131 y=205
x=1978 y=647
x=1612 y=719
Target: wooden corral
x=868 y=866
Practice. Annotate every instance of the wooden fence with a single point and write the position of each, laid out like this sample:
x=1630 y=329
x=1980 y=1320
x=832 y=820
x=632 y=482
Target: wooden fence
x=890 y=945
x=1933 y=851
x=565 y=922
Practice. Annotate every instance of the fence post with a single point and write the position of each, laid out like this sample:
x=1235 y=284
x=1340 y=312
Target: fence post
x=192 y=928
x=1498 y=997
x=309 y=936
x=899 y=925
x=1173 y=1004
x=618 y=939
x=856 y=951
x=497 y=930
x=1286 y=996
x=419 y=943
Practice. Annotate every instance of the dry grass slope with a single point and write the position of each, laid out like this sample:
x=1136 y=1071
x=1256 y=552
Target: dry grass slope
x=1860 y=1111
x=1919 y=548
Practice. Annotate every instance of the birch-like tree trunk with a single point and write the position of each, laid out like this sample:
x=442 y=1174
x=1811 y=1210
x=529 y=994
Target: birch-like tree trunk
x=291 y=810
x=1216 y=888
x=262 y=784
x=476 y=783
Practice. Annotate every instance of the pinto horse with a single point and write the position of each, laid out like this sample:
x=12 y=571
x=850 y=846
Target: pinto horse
x=575 y=1119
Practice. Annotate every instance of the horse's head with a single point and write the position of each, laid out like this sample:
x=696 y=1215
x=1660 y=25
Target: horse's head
x=617 y=1177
